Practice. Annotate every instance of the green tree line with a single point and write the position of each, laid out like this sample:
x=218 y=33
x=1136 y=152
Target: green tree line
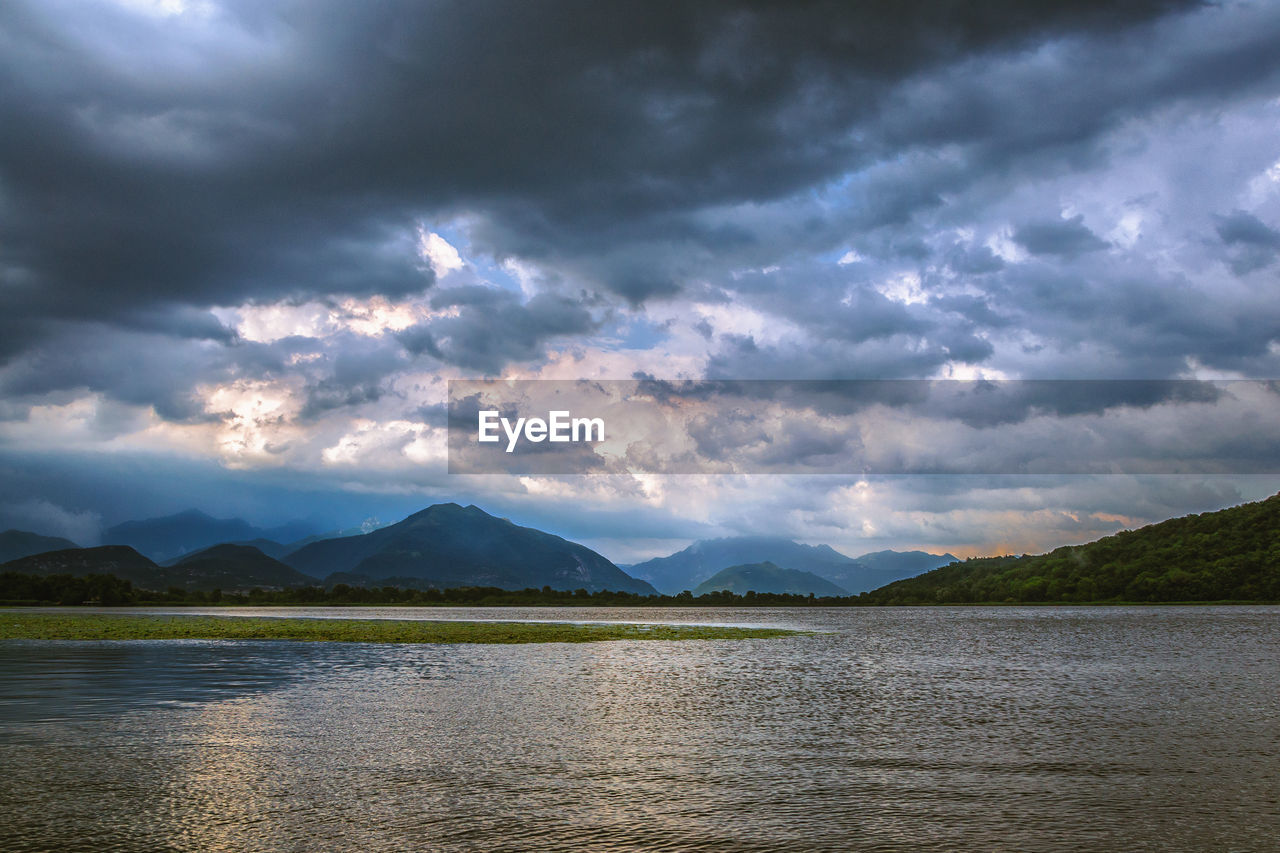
x=23 y=589
x=1229 y=555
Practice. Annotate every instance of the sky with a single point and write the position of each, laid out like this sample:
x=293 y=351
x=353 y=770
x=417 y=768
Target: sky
x=245 y=245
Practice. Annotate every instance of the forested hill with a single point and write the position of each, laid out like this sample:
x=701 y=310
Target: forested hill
x=1233 y=554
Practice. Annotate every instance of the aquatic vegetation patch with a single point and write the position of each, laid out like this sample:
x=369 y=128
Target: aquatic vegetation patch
x=110 y=626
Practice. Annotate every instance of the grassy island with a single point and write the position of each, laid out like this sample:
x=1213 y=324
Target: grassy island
x=98 y=626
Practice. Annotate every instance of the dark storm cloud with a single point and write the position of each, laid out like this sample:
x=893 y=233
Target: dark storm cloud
x=290 y=151
x=165 y=372
x=125 y=486
x=1147 y=323
x=353 y=376
x=975 y=309
x=1063 y=237
x=974 y=403
x=1254 y=243
x=493 y=327
x=1242 y=227
x=974 y=260
x=273 y=151
x=740 y=434
x=85 y=356
x=888 y=356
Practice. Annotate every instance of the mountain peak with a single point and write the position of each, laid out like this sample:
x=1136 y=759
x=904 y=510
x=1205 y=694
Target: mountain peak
x=449 y=508
x=447 y=545
x=768 y=577
x=702 y=559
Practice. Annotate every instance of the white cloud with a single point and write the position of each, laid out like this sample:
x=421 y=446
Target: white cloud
x=258 y=420
x=387 y=445
x=371 y=317
x=439 y=252
x=904 y=288
x=1002 y=245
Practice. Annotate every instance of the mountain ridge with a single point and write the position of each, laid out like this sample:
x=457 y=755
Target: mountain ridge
x=224 y=567
x=119 y=560
x=877 y=568
x=173 y=536
x=770 y=578
x=234 y=566
x=687 y=568
x=15 y=544
x=1230 y=554
x=448 y=545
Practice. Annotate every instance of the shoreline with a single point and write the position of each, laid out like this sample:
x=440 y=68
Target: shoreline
x=427 y=605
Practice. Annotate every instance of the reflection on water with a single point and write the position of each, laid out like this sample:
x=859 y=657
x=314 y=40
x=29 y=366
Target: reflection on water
x=925 y=729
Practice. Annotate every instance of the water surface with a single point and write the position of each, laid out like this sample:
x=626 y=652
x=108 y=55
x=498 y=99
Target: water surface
x=901 y=729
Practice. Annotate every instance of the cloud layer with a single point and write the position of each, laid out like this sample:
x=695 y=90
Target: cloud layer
x=263 y=236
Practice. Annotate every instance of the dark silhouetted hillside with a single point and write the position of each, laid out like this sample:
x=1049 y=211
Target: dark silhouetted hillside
x=448 y=545
x=230 y=567
x=119 y=560
x=20 y=543
x=767 y=577
x=1233 y=554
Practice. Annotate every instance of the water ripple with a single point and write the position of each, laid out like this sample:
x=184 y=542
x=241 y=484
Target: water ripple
x=934 y=729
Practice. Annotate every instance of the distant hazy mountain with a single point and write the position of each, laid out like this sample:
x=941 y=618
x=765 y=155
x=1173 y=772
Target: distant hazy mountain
x=274 y=550
x=767 y=577
x=279 y=551
x=229 y=567
x=447 y=545
x=367 y=526
x=874 y=570
x=119 y=560
x=190 y=531
x=690 y=567
x=20 y=543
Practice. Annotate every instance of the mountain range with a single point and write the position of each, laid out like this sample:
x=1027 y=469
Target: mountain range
x=878 y=568
x=225 y=567
x=688 y=568
x=1232 y=554
x=448 y=545
x=442 y=546
x=174 y=536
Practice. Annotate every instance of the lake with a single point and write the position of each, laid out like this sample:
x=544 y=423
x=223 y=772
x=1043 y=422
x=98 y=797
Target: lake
x=981 y=728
